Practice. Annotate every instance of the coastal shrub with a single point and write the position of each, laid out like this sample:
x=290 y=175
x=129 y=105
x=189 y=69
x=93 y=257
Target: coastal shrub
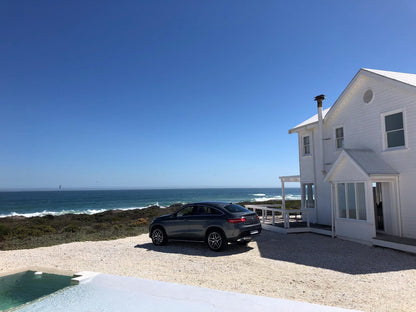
x=4 y=231
x=46 y=229
x=90 y=231
x=139 y=222
x=72 y=228
x=21 y=232
x=102 y=226
x=117 y=227
x=34 y=230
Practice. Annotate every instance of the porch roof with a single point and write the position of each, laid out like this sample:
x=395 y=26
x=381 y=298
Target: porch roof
x=369 y=162
x=294 y=178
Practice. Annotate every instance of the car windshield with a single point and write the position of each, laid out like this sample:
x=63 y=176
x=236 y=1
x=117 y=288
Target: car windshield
x=235 y=208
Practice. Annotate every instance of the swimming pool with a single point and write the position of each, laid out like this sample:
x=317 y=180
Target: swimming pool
x=24 y=287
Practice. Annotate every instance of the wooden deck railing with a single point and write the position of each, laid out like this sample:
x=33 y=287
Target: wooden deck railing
x=285 y=213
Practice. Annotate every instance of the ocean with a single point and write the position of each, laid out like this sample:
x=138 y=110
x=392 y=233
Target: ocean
x=40 y=203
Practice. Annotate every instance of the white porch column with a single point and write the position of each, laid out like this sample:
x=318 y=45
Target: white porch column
x=284 y=179
x=286 y=222
x=398 y=203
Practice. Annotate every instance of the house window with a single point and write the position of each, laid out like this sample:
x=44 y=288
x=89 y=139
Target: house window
x=342 y=207
x=394 y=130
x=339 y=137
x=306 y=145
x=351 y=201
x=308 y=195
x=360 y=194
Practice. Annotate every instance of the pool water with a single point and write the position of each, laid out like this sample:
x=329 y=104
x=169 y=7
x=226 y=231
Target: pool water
x=21 y=288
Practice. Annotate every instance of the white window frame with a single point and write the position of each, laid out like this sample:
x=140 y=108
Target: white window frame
x=336 y=139
x=303 y=145
x=347 y=212
x=304 y=194
x=383 y=127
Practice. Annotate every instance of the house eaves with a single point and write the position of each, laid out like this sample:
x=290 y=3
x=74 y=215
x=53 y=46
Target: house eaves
x=309 y=123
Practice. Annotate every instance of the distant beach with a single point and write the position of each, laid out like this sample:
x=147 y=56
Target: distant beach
x=41 y=203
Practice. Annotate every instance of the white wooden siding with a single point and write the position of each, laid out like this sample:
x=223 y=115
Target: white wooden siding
x=363 y=129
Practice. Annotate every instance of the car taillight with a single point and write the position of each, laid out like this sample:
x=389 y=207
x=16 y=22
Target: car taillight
x=258 y=218
x=237 y=220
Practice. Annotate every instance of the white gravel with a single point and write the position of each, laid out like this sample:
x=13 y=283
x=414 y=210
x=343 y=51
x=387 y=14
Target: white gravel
x=302 y=267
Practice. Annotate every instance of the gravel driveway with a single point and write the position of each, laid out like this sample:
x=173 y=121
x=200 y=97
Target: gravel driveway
x=302 y=267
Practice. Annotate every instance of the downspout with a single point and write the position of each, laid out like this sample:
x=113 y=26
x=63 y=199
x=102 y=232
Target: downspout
x=333 y=190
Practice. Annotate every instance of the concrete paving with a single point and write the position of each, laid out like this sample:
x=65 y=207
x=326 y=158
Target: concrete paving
x=102 y=292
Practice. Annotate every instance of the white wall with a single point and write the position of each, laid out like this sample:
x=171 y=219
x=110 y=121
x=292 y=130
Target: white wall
x=307 y=174
x=354 y=229
x=311 y=172
x=363 y=128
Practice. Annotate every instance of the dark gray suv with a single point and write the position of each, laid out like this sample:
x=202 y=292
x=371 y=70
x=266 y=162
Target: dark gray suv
x=216 y=223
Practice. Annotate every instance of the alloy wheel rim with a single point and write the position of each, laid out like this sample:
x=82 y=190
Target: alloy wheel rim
x=214 y=240
x=157 y=236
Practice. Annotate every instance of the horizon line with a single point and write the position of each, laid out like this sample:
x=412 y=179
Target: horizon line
x=34 y=189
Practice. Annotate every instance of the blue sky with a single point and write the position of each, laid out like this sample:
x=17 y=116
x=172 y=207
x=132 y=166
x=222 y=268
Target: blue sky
x=114 y=94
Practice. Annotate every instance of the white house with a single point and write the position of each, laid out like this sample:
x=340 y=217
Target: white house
x=357 y=159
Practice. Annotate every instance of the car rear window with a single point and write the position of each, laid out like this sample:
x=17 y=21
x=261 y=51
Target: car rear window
x=235 y=208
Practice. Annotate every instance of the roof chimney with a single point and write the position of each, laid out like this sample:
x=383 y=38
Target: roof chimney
x=319 y=99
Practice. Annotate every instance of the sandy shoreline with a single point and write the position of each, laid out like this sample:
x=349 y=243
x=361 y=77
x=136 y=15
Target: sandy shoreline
x=303 y=267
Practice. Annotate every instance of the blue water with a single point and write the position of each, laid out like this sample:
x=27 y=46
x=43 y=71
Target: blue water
x=40 y=203
x=20 y=288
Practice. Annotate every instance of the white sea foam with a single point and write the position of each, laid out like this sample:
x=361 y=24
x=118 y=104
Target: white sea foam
x=278 y=197
x=259 y=194
x=63 y=212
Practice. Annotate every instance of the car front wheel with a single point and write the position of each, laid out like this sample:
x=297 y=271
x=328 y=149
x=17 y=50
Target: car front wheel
x=216 y=240
x=158 y=236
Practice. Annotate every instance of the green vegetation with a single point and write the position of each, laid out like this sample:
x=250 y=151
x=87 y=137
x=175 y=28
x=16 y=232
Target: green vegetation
x=23 y=233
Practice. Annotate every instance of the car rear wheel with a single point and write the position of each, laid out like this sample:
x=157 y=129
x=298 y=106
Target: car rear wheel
x=216 y=240
x=159 y=237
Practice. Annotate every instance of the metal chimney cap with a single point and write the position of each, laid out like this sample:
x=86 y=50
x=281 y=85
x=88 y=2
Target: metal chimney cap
x=320 y=97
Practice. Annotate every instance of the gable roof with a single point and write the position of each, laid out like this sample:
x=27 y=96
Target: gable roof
x=367 y=160
x=408 y=79
x=370 y=162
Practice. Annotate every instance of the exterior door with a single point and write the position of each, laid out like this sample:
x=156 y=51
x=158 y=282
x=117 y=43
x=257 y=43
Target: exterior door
x=378 y=206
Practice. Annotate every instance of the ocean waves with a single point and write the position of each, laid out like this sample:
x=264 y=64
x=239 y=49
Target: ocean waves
x=56 y=203
x=276 y=197
x=64 y=212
